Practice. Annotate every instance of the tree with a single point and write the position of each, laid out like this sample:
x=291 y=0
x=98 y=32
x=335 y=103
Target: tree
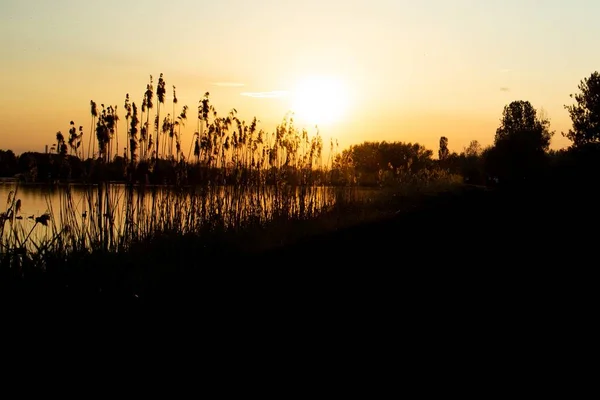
x=471 y=163
x=585 y=114
x=369 y=159
x=443 y=152
x=473 y=149
x=521 y=126
x=521 y=143
x=8 y=163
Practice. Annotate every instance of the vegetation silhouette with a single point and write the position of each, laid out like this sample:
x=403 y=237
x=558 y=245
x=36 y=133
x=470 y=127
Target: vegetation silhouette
x=483 y=208
x=520 y=145
x=585 y=114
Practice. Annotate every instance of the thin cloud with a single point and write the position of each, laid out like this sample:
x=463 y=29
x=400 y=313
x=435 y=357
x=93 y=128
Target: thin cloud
x=263 y=95
x=229 y=84
x=504 y=89
x=506 y=70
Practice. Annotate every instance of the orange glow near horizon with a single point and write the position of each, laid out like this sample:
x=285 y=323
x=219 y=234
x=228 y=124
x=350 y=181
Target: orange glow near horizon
x=364 y=70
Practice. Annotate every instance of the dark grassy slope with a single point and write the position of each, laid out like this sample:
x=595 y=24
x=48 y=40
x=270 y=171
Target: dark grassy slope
x=470 y=269
x=474 y=229
x=456 y=238
x=464 y=252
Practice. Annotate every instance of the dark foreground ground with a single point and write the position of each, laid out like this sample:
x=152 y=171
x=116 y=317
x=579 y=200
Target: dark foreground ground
x=476 y=277
x=472 y=250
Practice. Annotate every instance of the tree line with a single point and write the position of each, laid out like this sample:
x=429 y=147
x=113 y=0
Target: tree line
x=520 y=154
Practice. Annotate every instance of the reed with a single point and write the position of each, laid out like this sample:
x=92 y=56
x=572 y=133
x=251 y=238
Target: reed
x=240 y=178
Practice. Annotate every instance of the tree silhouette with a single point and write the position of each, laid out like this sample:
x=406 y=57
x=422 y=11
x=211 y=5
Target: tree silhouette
x=470 y=162
x=473 y=149
x=520 y=125
x=370 y=157
x=8 y=163
x=443 y=152
x=585 y=114
x=521 y=143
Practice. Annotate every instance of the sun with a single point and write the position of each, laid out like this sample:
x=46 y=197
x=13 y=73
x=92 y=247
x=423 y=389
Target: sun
x=320 y=100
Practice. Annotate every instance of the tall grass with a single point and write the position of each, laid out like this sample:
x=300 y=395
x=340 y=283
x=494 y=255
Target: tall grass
x=244 y=178
x=112 y=218
x=221 y=147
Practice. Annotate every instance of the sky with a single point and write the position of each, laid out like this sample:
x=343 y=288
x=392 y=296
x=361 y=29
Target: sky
x=398 y=70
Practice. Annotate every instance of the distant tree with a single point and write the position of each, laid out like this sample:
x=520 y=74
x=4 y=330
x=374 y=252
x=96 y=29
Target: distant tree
x=471 y=163
x=521 y=126
x=585 y=114
x=521 y=143
x=473 y=149
x=443 y=152
x=369 y=161
x=370 y=157
x=8 y=163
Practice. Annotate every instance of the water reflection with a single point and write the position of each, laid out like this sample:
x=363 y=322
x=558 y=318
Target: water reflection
x=112 y=215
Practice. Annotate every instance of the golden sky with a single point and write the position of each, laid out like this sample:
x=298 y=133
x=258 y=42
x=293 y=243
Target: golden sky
x=381 y=69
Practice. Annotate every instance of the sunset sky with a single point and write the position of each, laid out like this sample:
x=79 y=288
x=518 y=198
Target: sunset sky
x=390 y=70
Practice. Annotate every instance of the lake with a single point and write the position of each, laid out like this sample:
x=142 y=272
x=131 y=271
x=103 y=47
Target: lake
x=115 y=213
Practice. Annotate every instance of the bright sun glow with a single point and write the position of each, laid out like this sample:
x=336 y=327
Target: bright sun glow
x=320 y=100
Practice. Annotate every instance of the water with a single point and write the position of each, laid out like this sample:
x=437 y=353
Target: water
x=113 y=214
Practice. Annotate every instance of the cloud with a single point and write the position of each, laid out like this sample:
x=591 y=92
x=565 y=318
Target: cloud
x=271 y=94
x=504 y=89
x=506 y=70
x=228 y=84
